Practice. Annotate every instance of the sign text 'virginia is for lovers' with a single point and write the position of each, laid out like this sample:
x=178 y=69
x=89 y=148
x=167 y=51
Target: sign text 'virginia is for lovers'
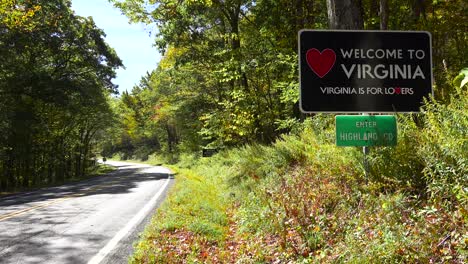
x=364 y=71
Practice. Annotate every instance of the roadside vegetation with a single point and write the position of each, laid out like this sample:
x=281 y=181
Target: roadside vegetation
x=279 y=190
x=55 y=81
x=302 y=199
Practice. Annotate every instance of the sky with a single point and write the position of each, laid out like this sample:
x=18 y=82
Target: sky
x=132 y=42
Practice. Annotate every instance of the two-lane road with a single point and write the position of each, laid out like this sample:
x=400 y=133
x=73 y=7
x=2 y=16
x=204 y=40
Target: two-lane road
x=93 y=221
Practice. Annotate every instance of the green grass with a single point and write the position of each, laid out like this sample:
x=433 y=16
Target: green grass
x=196 y=211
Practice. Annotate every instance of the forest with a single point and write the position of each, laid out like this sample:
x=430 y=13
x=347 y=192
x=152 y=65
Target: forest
x=279 y=190
x=55 y=80
x=229 y=75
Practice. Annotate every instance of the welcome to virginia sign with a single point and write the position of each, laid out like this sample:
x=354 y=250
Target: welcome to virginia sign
x=364 y=71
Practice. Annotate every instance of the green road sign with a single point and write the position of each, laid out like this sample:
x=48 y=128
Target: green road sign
x=363 y=131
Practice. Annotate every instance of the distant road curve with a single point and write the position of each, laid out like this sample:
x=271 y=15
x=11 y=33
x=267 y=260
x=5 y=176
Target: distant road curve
x=92 y=221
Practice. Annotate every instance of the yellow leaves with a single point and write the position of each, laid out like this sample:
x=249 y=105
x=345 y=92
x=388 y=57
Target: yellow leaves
x=16 y=16
x=202 y=2
x=32 y=11
x=163 y=111
x=131 y=125
x=169 y=59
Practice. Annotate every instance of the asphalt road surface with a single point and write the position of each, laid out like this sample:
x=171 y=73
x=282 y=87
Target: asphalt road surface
x=93 y=221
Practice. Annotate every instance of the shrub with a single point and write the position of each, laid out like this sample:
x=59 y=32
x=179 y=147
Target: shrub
x=304 y=200
x=399 y=167
x=444 y=148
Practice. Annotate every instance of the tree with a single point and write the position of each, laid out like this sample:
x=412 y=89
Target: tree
x=345 y=14
x=54 y=78
x=383 y=12
x=229 y=72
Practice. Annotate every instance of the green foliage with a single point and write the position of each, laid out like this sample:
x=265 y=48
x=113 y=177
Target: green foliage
x=229 y=79
x=198 y=197
x=195 y=211
x=304 y=200
x=229 y=72
x=18 y=18
x=399 y=168
x=444 y=148
x=223 y=80
x=294 y=188
x=55 y=77
x=462 y=79
x=431 y=156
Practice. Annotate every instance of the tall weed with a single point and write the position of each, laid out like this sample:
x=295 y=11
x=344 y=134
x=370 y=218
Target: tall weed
x=399 y=167
x=432 y=152
x=444 y=149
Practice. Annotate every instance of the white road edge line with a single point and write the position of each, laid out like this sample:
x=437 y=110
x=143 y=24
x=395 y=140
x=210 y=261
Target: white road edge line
x=124 y=231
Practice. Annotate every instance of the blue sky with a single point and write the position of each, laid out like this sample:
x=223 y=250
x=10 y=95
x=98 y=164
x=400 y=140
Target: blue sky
x=132 y=42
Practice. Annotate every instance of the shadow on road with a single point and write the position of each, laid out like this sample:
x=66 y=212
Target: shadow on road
x=31 y=247
x=122 y=180
x=22 y=239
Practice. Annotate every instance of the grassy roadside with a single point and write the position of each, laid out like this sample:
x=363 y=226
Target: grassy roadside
x=303 y=200
x=193 y=221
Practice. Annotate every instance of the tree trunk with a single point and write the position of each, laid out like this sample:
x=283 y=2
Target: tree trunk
x=234 y=17
x=345 y=14
x=419 y=8
x=171 y=137
x=299 y=14
x=383 y=14
x=9 y=171
x=78 y=152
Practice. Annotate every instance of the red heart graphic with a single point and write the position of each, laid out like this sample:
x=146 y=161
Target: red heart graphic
x=321 y=62
x=397 y=90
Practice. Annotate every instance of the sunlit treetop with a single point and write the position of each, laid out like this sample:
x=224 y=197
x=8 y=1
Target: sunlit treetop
x=20 y=14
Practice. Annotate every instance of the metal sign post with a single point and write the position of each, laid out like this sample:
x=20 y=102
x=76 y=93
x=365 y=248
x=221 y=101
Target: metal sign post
x=365 y=151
